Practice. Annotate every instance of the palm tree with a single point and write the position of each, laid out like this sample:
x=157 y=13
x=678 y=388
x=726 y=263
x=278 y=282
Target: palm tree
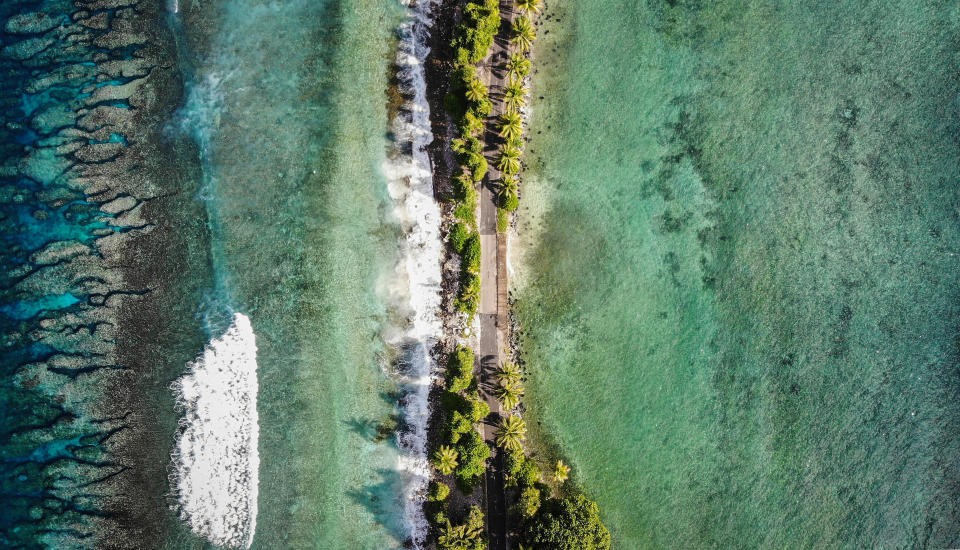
x=508 y=165
x=517 y=88
x=515 y=98
x=529 y=7
x=509 y=395
x=509 y=162
x=515 y=143
x=511 y=126
x=459 y=537
x=561 y=472
x=445 y=459
x=476 y=91
x=523 y=34
x=511 y=433
x=517 y=67
x=509 y=373
x=510 y=149
x=466 y=536
x=508 y=188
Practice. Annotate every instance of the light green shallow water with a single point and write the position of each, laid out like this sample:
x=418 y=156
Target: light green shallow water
x=292 y=102
x=739 y=273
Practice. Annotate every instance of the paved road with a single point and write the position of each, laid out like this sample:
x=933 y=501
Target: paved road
x=491 y=340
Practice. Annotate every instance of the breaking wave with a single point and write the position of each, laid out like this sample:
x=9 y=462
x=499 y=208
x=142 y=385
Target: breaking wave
x=417 y=284
x=216 y=456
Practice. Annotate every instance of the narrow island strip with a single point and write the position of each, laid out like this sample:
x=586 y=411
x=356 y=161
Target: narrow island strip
x=487 y=488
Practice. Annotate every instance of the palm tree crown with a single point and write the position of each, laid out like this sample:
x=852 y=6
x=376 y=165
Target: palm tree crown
x=515 y=98
x=510 y=149
x=445 y=459
x=508 y=165
x=523 y=34
x=461 y=536
x=509 y=373
x=517 y=67
x=512 y=126
x=529 y=7
x=476 y=91
x=464 y=537
x=509 y=395
x=511 y=433
x=561 y=472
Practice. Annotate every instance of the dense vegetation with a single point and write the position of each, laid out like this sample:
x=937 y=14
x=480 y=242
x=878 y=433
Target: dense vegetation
x=469 y=101
x=571 y=523
x=462 y=454
x=466 y=536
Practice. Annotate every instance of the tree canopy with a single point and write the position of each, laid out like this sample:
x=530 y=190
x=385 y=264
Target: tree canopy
x=567 y=524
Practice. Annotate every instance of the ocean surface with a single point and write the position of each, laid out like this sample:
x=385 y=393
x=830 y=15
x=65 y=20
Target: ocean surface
x=288 y=101
x=737 y=267
x=219 y=274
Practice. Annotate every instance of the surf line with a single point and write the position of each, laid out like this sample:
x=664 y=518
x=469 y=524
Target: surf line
x=417 y=287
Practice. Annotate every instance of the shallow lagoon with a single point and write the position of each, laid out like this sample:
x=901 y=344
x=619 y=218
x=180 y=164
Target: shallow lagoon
x=737 y=269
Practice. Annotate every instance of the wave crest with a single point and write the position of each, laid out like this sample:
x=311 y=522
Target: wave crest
x=216 y=453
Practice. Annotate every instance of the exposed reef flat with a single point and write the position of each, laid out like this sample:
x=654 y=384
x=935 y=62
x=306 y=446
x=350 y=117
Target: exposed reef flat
x=98 y=221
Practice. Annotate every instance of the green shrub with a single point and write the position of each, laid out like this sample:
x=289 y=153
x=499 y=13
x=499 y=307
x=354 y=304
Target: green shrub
x=451 y=402
x=477 y=164
x=440 y=518
x=474 y=453
x=567 y=524
x=529 y=502
x=465 y=213
x=480 y=24
x=461 y=63
x=522 y=471
x=529 y=473
x=468 y=536
x=458 y=145
x=509 y=201
x=470 y=254
x=471 y=125
x=458 y=425
x=482 y=108
x=460 y=369
x=468 y=301
x=458 y=236
x=466 y=148
x=475 y=146
x=503 y=220
x=463 y=186
x=465 y=190
x=438 y=491
x=477 y=407
x=455 y=104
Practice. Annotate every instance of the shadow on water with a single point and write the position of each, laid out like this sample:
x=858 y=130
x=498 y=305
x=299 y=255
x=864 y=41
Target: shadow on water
x=364 y=427
x=382 y=499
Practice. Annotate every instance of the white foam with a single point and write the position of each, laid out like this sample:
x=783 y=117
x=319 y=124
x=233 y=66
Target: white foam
x=417 y=284
x=216 y=456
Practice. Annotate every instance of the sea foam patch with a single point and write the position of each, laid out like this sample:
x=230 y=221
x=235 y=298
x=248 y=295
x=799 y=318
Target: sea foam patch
x=216 y=456
x=417 y=282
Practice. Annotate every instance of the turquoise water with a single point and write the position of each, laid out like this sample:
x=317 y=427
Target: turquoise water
x=288 y=104
x=738 y=269
x=162 y=170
